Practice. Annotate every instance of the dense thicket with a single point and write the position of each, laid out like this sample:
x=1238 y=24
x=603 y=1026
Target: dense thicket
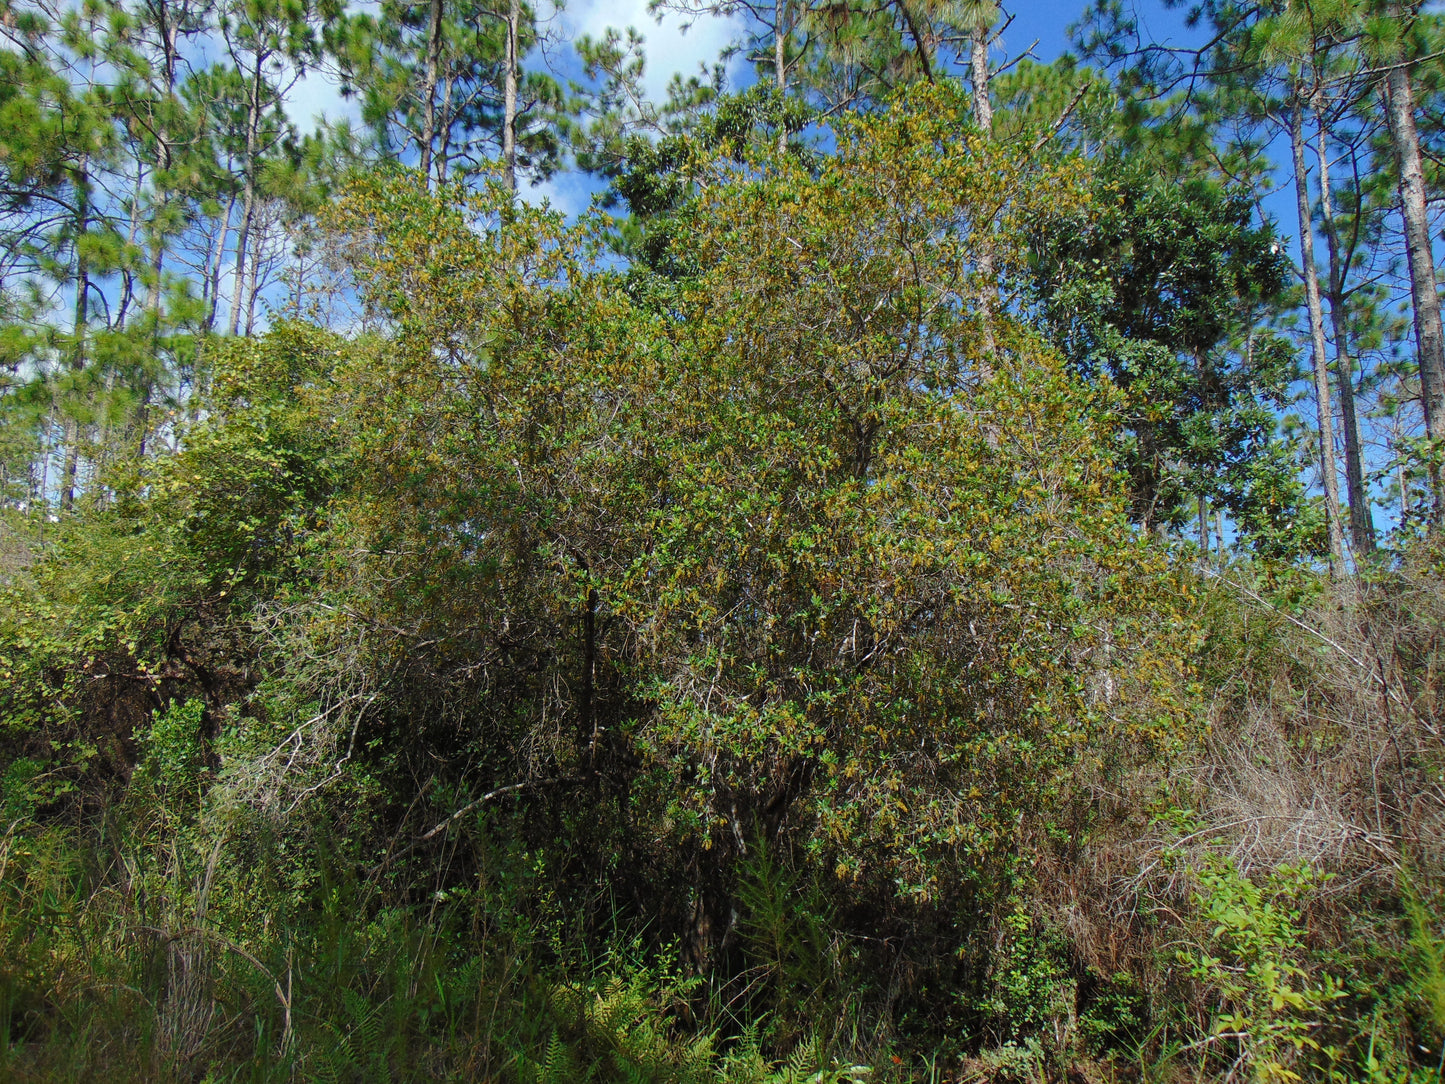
x=861 y=609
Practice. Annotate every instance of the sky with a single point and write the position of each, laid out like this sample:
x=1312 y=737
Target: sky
x=676 y=44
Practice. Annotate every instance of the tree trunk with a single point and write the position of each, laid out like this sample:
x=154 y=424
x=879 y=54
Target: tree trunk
x=72 y=463
x=1402 y=476
x=509 y=99
x=127 y=279
x=243 y=238
x=165 y=160
x=1429 y=335
x=102 y=437
x=429 y=86
x=978 y=77
x=158 y=253
x=780 y=67
x=248 y=198
x=1320 y=363
x=46 y=455
x=158 y=219
x=253 y=285
x=983 y=117
x=78 y=326
x=1362 y=527
x=154 y=306
x=442 y=156
x=212 y=285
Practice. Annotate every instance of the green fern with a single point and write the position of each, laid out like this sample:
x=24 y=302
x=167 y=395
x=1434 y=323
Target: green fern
x=558 y=1065
x=624 y=1020
x=786 y=924
x=364 y=1030
x=803 y=1062
x=807 y=1064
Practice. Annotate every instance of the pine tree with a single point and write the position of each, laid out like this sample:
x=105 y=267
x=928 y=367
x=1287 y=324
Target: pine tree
x=270 y=44
x=447 y=81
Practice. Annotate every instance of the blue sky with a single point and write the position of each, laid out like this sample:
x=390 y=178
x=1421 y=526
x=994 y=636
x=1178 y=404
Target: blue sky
x=675 y=44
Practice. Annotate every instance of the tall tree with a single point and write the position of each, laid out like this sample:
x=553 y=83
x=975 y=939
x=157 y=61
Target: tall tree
x=1265 y=69
x=1268 y=69
x=270 y=43
x=1319 y=355
x=1340 y=249
x=1161 y=286
x=80 y=243
x=1396 y=50
x=147 y=45
x=446 y=81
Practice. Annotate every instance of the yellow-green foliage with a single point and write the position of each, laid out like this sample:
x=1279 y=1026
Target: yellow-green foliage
x=799 y=545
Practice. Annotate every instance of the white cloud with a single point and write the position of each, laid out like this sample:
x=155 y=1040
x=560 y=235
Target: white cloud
x=671 y=46
x=318 y=95
x=570 y=192
x=676 y=44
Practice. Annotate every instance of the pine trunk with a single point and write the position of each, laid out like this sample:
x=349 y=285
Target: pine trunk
x=978 y=78
x=780 y=67
x=1362 y=527
x=253 y=287
x=212 y=285
x=1429 y=335
x=429 y=86
x=78 y=326
x=243 y=239
x=983 y=117
x=509 y=99
x=248 y=198
x=1319 y=360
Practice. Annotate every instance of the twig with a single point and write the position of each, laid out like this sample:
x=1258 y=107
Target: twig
x=1063 y=117
x=458 y=815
